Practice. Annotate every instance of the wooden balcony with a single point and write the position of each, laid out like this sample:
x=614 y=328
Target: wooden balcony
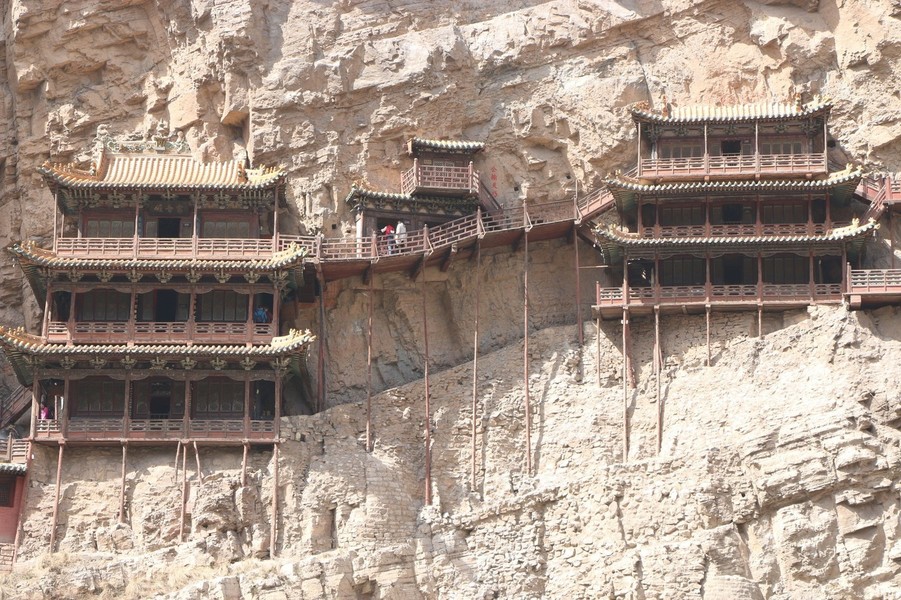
x=14 y=451
x=167 y=248
x=109 y=332
x=738 y=230
x=873 y=287
x=440 y=179
x=100 y=430
x=733 y=165
x=609 y=300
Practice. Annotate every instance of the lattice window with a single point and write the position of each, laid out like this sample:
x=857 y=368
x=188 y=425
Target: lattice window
x=109 y=228
x=218 y=398
x=103 y=305
x=782 y=147
x=97 y=397
x=226 y=229
x=784 y=213
x=668 y=151
x=222 y=307
x=681 y=215
x=786 y=269
x=683 y=270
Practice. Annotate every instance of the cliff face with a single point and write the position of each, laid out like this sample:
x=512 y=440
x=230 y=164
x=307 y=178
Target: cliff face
x=778 y=471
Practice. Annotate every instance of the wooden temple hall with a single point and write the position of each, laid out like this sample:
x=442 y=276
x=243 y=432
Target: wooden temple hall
x=162 y=289
x=731 y=208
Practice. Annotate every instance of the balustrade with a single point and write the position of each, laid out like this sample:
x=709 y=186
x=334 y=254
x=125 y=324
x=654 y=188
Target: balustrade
x=613 y=296
x=159 y=331
x=734 y=164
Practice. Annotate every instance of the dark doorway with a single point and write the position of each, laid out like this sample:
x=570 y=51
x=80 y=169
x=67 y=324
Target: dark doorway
x=730 y=147
x=166 y=305
x=160 y=399
x=168 y=228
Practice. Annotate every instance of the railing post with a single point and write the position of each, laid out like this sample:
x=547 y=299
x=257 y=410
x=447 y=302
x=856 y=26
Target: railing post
x=425 y=239
x=374 y=250
x=480 y=226
x=318 y=247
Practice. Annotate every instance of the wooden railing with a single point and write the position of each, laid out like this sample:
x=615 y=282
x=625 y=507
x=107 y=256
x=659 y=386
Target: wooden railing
x=594 y=203
x=734 y=164
x=162 y=248
x=874 y=281
x=613 y=296
x=439 y=178
x=149 y=331
x=739 y=229
x=14 y=451
x=154 y=429
x=7 y=556
x=14 y=405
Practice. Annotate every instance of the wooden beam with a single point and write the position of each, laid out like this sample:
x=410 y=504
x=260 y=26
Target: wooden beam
x=476 y=250
x=707 y=318
x=625 y=385
x=525 y=351
x=369 y=372
x=475 y=366
x=428 y=407
x=244 y=465
x=273 y=527
x=197 y=458
x=658 y=367
x=59 y=477
x=448 y=257
x=122 y=487
x=184 y=492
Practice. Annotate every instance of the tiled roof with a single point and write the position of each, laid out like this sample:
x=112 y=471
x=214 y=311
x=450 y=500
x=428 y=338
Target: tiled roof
x=454 y=205
x=152 y=171
x=36 y=255
x=31 y=344
x=416 y=145
x=21 y=348
x=761 y=111
x=14 y=468
x=620 y=182
x=621 y=238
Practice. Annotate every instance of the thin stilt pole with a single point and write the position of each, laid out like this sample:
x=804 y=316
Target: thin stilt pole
x=428 y=407
x=475 y=364
x=184 y=492
x=625 y=386
x=197 y=458
x=177 y=454
x=369 y=372
x=707 y=318
x=244 y=466
x=122 y=487
x=598 y=348
x=578 y=296
x=760 y=321
x=59 y=476
x=525 y=350
x=273 y=530
x=27 y=484
x=320 y=367
x=658 y=367
x=891 y=230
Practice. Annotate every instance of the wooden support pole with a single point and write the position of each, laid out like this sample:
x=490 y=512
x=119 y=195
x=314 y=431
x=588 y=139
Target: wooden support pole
x=24 y=503
x=273 y=529
x=891 y=230
x=59 y=477
x=578 y=297
x=707 y=318
x=122 y=487
x=320 y=368
x=184 y=492
x=658 y=367
x=598 y=348
x=525 y=350
x=369 y=372
x=760 y=320
x=428 y=406
x=177 y=454
x=244 y=465
x=475 y=365
x=625 y=385
x=197 y=458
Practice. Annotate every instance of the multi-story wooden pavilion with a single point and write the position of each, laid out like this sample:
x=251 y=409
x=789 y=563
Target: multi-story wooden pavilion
x=161 y=291
x=442 y=185
x=730 y=208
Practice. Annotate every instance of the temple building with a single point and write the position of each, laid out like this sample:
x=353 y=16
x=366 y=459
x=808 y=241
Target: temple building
x=162 y=292
x=731 y=208
x=440 y=186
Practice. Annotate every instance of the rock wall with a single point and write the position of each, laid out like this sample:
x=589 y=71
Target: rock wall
x=777 y=477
